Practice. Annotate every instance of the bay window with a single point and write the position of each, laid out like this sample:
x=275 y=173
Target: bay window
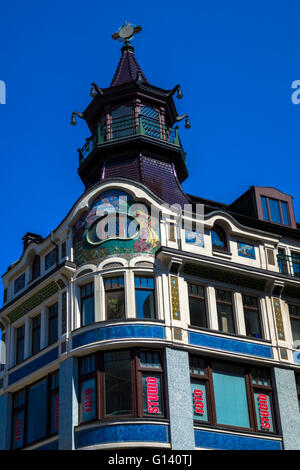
x=231 y=395
x=119 y=384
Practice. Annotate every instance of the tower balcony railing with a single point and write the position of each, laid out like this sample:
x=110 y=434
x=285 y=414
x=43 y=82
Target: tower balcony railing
x=126 y=126
x=289 y=264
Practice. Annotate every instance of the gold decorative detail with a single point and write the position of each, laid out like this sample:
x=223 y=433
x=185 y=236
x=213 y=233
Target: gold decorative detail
x=283 y=353
x=175 y=298
x=177 y=332
x=278 y=319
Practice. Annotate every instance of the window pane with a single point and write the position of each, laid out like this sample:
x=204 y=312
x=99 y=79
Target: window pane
x=54 y=413
x=152 y=400
x=295 y=324
x=18 y=430
x=87 y=311
x=115 y=304
x=87 y=365
x=285 y=214
x=218 y=241
x=252 y=323
x=53 y=324
x=225 y=318
x=144 y=303
x=199 y=400
x=88 y=400
x=197 y=312
x=263 y=411
x=231 y=397
x=275 y=211
x=117 y=368
x=264 y=208
x=37 y=411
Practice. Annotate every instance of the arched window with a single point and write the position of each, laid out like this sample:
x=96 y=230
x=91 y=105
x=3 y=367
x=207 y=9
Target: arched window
x=219 y=239
x=35 y=267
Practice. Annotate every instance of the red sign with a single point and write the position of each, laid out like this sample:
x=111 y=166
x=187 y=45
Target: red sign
x=264 y=411
x=19 y=430
x=88 y=400
x=152 y=395
x=198 y=402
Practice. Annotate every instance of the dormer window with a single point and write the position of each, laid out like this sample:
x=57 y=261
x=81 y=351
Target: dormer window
x=35 y=267
x=275 y=210
x=219 y=239
x=274 y=206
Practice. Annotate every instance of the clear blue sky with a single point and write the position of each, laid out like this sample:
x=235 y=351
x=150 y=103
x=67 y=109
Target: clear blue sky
x=235 y=60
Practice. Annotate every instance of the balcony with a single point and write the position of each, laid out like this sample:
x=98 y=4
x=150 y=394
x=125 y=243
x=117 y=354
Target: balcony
x=289 y=264
x=127 y=127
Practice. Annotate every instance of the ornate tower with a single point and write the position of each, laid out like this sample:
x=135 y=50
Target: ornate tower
x=133 y=130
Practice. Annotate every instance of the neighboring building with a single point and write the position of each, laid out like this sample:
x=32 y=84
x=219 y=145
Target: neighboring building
x=157 y=336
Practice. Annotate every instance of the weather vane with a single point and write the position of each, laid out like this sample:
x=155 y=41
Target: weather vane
x=126 y=32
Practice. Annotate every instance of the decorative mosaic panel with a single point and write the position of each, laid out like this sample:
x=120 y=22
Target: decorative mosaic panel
x=194 y=238
x=177 y=332
x=283 y=353
x=278 y=319
x=224 y=276
x=175 y=298
x=33 y=301
x=233 y=345
x=114 y=226
x=217 y=440
x=246 y=250
x=118 y=332
x=122 y=433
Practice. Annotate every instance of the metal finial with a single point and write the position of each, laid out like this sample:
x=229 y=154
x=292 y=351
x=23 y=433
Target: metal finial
x=126 y=32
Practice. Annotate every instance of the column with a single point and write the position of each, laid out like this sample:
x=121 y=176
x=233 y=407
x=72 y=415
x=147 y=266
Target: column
x=68 y=403
x=5 y=421
x=288 y=408
x=180 y=400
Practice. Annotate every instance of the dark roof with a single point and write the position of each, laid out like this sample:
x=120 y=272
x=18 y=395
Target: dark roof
x=128 y=68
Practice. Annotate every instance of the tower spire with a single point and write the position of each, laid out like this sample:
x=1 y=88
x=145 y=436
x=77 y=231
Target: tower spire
x=128 y=69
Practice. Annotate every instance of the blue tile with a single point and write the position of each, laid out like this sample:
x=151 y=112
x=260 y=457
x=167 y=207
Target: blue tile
x=33 y=365
x=233 y=345
x=118 y=332
x=220 y=441
x=50 y=446
x=123 y=433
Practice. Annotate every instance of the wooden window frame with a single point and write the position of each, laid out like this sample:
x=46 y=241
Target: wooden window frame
x=137 y=371
x=251 y=387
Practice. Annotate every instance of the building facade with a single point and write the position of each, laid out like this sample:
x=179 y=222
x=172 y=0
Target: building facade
x=150 y=317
